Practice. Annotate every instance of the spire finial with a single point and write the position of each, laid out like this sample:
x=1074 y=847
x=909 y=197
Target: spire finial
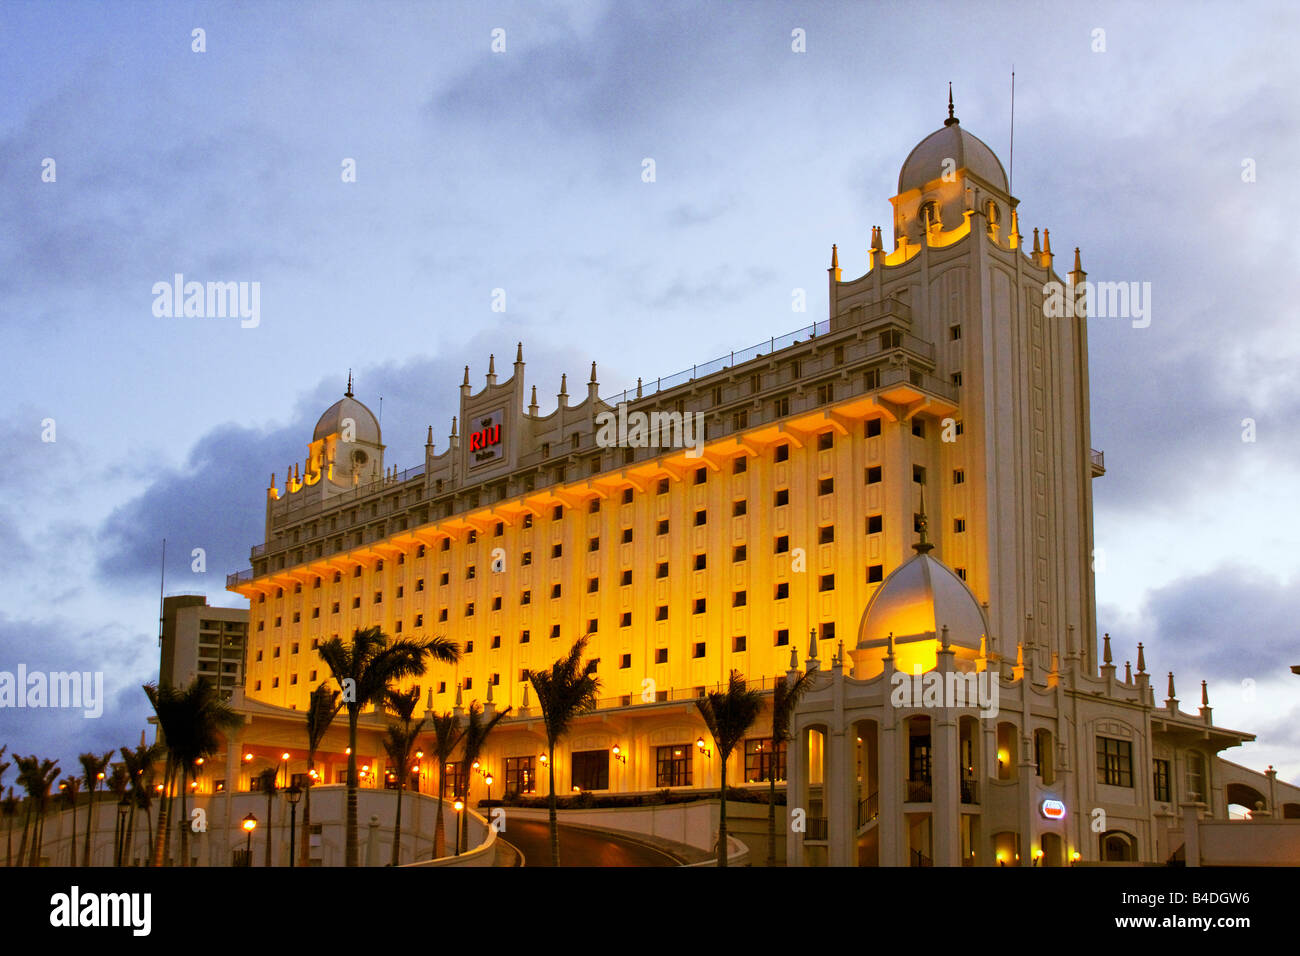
x=1078 y=266
x=593 y=371
x=923 y=546
x=519 y=353
x=348 y=393
x=835 y=256
x=564 y=383
x=1205 y=695
x=1105 y=652
x=951 y=120
x=1142 y=659
x=466 y=382
x=1128 y=672
x=429 y=439
x=1171 y=685
x=492 y=364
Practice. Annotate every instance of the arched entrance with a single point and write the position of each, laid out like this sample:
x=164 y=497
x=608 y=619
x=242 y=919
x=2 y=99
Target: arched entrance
x=1118 y=847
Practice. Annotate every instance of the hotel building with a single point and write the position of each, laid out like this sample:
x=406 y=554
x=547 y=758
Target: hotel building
x=920 y=460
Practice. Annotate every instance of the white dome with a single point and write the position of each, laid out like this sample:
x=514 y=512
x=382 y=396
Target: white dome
x=926 y=162
x=365 y=427
x=920 y=597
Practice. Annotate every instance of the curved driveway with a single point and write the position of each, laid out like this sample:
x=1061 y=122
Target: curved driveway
x=581 y=847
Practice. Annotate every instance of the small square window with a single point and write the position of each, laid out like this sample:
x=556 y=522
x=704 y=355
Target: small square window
x=956 y=378
x=825 y=440
x=739 y=465
x=782 y=544
x=627 y=496
x=701 y=561
x=555 y=631
x=782 y=497
x=555 y=590
x=446 y=544
x=444 y=578
x=961 y=573
x=626 y=579
x=528 y=521
x=918 y=427
x=557 y=512
x=496 y=640
x=593 y=507
x=662 y=527
x=527 y=558
x=661 y=655
x=442 y=614
x=739 y=598
x=782 y=452
x=782 y=591
x=873 y=427
x=593 y=625
x=918 y=474
x=826 y=583
x=593 y=585
x=469 y=609
x=738 y=553
x=826 y=534
x=739 y=508
x=625 y=620
x=958 y=476
x=825 y=486
x=496 y=603
x=557 y=550
x=661 y=569
x=593 y=544
x=661 y=612
x=873 y=475
x=698 y=650
x=473 y=536
x=875 y=524
x=701 y=517
x=627 y=535
x=875 y=573
x=699 y=606
x=738 y=644
x=624 y=662
x=782 y=637
x=663 y=486
x=954 y=332
x=701 y=475
x=470 y=572
x=958 y=525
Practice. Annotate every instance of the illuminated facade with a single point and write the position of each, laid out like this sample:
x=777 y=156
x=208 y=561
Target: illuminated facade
x=935 y=395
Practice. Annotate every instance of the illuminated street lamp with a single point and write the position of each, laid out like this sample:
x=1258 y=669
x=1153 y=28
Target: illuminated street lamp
x=707 y=751
x=249 y=825
x=459 y=805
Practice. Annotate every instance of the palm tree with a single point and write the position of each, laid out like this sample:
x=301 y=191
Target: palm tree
x=400 y=743
x=364 y=669
x=36 y=776
x=92 y=768
x=728 y=714
x=785 y=697
x=446 y=735
x=192 y=720
x=266 y=782
x=321 y=711
x=565 y=691
x=139 y=765
x=475 y=736
x=69 y=786
x=118 y=784
x=9 y=806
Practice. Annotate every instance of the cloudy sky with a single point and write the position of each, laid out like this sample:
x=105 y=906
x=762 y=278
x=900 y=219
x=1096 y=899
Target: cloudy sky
x=1164 y=146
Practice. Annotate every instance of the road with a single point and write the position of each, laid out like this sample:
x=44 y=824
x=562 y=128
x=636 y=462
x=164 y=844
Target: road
x=580 y=847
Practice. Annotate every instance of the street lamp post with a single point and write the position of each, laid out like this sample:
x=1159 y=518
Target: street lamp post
x=123 y=808
x=250 y=824
x=459 y=805
x=293 y=794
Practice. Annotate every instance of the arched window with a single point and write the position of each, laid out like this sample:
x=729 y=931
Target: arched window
x=1118 y=847
x=930 y=215
x=993 y=215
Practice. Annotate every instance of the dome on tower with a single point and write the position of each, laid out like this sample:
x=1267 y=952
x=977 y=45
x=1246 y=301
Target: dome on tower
x=917 y=600
x=926 y=162
x=365 y=427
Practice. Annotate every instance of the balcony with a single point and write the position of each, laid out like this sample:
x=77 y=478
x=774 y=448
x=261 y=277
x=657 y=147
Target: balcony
x=817 y=829
x=970 y=792
x=868 y=810
x=919 y=791
x=1097 y=460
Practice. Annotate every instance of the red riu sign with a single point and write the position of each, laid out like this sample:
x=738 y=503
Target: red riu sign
x=485 y=438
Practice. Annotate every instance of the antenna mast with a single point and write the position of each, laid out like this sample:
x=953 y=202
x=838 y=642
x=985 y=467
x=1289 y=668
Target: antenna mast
x=1011 y=160
x=162 y=573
